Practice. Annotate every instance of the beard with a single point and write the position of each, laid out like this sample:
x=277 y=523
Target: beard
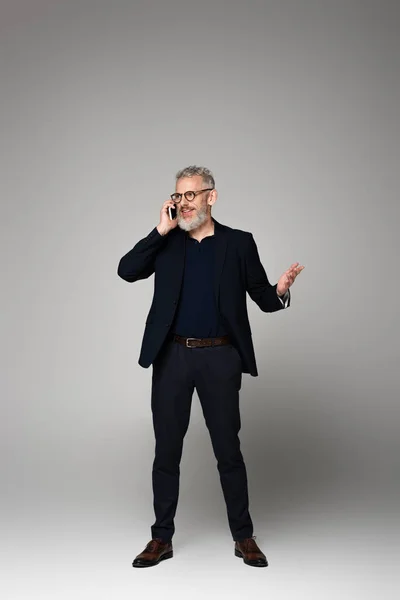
x=199 y=217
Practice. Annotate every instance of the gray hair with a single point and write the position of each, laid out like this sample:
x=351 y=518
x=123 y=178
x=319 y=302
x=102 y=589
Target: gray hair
x=193 y=170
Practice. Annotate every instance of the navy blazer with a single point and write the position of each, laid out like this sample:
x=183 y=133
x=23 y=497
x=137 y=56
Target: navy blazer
x=238 y=270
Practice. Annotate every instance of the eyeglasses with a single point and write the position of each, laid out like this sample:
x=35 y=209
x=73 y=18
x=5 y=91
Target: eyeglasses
x=188 y=195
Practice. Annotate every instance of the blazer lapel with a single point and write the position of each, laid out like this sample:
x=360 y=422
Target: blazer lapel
x=221 y=241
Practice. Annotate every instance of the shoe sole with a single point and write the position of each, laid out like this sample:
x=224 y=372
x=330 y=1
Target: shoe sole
x=249 y=562
x=153 y=564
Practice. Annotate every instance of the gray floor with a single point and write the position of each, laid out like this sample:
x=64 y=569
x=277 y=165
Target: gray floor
x=312 y=554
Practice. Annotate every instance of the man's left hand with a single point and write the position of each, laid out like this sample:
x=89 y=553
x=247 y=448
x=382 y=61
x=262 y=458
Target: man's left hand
x=286 y=280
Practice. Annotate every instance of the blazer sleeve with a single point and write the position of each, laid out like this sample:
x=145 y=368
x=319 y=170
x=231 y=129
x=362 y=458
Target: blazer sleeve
x=257 y=284
x=139 y=263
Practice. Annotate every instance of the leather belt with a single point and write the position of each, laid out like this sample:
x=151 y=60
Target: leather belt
x=201 y=342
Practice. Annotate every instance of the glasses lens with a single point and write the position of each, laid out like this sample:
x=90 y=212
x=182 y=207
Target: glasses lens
x=189 y=195
x=175 y=197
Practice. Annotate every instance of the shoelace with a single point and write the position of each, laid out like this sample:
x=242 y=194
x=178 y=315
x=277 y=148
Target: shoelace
x=152 y=545
x=250 y=543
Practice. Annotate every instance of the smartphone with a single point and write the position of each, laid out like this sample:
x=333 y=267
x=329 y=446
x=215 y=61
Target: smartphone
x=172 y=212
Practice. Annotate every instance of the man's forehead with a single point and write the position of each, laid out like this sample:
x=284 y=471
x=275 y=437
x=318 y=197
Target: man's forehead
x=186 y=184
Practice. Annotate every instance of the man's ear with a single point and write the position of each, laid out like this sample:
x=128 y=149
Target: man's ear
x=212 y=198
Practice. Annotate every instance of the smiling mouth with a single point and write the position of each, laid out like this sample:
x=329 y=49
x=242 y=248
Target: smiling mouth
x=186 y=212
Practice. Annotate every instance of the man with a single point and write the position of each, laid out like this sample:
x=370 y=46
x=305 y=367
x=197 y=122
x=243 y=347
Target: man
x=198 y=335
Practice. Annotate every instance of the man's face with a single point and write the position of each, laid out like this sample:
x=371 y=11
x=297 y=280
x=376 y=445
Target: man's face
x=192 y=214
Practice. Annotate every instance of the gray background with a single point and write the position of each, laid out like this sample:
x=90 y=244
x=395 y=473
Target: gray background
x=295 y=108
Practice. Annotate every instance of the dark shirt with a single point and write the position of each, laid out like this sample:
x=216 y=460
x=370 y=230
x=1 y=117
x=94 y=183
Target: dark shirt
x=197 y=314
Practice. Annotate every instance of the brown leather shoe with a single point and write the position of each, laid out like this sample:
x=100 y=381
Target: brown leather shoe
x=156 y=551
x=250 y=552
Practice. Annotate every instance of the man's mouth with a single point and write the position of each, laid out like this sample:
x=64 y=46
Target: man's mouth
x=186 y=212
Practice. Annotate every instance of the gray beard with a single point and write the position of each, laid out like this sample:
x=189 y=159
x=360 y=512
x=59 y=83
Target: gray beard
x=195 y=221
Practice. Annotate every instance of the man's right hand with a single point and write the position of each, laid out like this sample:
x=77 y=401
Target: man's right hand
x=166 y=224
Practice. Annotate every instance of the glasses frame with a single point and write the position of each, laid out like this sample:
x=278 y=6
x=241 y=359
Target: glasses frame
x=188 y=192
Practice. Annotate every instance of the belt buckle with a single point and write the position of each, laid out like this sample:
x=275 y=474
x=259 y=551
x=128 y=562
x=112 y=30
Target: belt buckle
x=187 y=339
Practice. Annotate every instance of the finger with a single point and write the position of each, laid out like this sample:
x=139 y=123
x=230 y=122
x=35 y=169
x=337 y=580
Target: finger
x=295 y=271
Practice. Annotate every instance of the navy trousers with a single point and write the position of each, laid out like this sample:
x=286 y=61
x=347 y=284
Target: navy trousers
x=216 y=374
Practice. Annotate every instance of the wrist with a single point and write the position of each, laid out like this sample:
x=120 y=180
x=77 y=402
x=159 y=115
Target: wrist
x=161 y=230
